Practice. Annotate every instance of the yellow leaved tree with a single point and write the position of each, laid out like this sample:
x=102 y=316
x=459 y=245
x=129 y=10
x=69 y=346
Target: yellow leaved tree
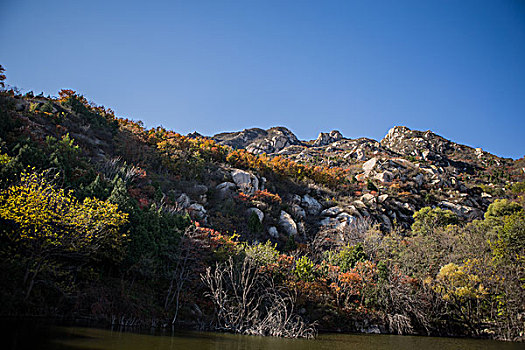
x=45 y=222
x=464 y=290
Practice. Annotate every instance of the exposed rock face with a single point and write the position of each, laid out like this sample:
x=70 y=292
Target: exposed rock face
x=462 y=210
x=434 y=148
x=226 y=189
x=360 y=154
x=247 y=182
x=259 y=141
x=298 y=212
x=419 y=179
x=332 y=212
x=311 y=204
x=345 y=219
x=367 y=198
x=385 y=176
x=340 y=222
x=197 y=211
x=198 y=189
x=272 y=231
x=240 y=139
x=479 y=152
x=327 y=138
x=417 y=143
x=414 y=161
x=283 y=142
x=382 y=198
x=287 y=224
x=369 y=165
x=194 y=135
x=291 y=150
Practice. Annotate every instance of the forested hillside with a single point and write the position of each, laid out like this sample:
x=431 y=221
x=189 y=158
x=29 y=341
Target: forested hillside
x=255 y=232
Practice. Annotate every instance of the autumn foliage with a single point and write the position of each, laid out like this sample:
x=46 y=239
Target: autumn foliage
x=97 y=226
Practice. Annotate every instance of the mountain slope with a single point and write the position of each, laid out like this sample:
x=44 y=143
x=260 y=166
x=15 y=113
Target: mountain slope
x=103 y=218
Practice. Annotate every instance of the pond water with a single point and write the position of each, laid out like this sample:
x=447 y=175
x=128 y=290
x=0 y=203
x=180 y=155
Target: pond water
x=45 y=337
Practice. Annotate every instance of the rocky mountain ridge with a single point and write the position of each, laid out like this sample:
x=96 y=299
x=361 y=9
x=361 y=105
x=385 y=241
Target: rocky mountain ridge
x=258 y=140
x=399 y=140
x=405 y=171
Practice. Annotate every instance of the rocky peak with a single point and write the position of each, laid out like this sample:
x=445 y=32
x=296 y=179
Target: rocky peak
x=240 y=139
x=396 y=133
x=194 y=135
x=433 y=148
x=327 y=138
x=258 y=140
x=424 y=144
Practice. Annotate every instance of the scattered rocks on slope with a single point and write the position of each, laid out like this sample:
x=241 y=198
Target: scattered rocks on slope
x=411 y=169
x=360 y=155
x=198 y=190
x=340 y=222
x=298 y=212
x=462 y=210
x=385 y=176
x=332 y=211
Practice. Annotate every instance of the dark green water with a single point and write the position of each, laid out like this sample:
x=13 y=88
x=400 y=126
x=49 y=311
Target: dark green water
x=92 y=338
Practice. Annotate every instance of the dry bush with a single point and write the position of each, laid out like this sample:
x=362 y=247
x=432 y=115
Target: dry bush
x=247 y=301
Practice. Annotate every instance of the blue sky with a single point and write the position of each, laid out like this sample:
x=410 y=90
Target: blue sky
x=455 y=67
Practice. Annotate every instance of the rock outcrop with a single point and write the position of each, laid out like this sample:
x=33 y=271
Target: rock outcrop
x=245 y=181
x=287 y=223
x=327 y=138
x=311 y=204
x=259 y=141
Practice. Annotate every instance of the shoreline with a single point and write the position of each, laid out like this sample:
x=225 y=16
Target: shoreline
x=35 y=321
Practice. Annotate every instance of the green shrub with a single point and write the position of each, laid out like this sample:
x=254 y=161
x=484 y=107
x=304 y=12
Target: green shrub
x=427 y=219
x=47 y=107
x=34 y=107
x=501 y=208
x=518 y=188
x=290 y=244
x=347 y=257
x=304 y=269
x=512 y=235
x=254 y=224
x=262 y=253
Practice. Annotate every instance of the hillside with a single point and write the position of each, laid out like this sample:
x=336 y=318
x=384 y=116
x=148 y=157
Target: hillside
x=101 y=217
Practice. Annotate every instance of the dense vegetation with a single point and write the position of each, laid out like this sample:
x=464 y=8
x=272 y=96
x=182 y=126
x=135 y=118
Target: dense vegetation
x=87 y=233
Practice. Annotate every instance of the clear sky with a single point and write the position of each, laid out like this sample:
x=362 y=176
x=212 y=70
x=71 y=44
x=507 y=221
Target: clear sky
x=455 y=67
